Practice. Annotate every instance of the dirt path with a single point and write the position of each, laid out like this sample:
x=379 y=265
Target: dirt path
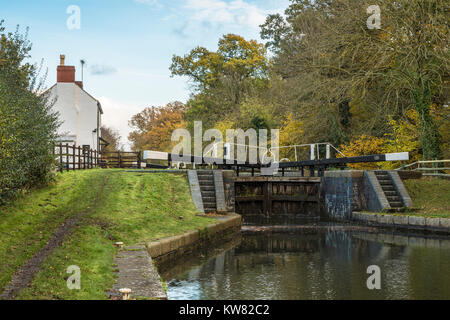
x=25 y=274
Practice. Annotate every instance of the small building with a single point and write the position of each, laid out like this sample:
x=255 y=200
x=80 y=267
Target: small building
x=80 y=113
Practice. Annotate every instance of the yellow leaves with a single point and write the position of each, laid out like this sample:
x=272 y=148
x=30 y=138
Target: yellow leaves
x=364 y=145
x=225 y=125
x=292 y=131
x=405 y=138
x=235 y=57
x=156 y=125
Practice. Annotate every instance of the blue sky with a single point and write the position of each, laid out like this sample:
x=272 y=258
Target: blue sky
x=128 y=44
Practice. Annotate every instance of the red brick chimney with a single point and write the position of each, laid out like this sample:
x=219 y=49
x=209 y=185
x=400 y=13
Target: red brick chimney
x=65 y=73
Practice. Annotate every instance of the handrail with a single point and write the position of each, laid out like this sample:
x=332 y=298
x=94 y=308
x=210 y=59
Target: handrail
x=419 y=168
x=270 y=150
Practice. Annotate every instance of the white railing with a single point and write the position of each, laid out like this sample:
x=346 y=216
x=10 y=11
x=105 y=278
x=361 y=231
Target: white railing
x=315 y=149
x=424 y=166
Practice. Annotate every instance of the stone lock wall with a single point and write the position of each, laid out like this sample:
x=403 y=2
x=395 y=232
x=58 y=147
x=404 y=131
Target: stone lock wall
x=342 y=193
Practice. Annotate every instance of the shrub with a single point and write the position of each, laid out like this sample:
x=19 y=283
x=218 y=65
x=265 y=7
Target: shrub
x=27 y=124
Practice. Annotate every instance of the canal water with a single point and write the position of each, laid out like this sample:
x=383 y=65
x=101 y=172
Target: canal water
x=318 y=261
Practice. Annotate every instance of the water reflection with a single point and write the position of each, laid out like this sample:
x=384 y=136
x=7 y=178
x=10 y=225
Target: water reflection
x=318 y=263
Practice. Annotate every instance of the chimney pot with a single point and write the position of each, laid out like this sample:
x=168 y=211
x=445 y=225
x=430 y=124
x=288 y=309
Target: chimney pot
x=62 y=59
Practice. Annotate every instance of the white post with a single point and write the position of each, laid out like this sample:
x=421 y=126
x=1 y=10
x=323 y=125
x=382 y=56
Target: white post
x=226 y=151
x=215 y=151
x=328 y=151
x=313 y=152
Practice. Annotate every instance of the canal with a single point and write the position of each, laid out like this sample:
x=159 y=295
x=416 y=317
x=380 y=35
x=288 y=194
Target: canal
x=315 y=261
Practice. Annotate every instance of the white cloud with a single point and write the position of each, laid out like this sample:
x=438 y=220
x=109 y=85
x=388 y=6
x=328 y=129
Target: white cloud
x=217 y=12
x=101 y=69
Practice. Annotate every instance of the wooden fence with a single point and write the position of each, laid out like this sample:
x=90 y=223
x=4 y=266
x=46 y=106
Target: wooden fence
x=71 y=157
x=121 y=159
x=76 y=158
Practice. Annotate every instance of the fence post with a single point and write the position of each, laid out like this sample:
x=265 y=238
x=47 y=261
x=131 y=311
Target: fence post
x=79 y=158
x=120 y=159
x=73 y=157
x=139 y=160
x=60 y=158
x=67 y=158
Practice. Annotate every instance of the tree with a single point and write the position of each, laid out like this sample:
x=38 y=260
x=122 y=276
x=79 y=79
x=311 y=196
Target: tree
x=341 y=69
x=236 y=60
x=27 y=124
x=112 y=136
x=364 y=145
x=222 y=79
x=154 y=127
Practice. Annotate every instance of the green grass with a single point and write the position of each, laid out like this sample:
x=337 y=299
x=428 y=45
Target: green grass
x=431 y=197
x=88 y=248
x=27 y=225
x=143 y=207
x=133 y=208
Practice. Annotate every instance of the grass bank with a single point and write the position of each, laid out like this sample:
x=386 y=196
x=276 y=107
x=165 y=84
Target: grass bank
x=132 y=208
x=431 y=197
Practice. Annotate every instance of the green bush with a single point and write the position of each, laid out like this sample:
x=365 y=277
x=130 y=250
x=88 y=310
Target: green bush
x=27 y=124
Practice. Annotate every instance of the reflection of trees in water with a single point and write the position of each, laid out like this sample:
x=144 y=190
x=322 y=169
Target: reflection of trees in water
x=278 y=243
x=324 y=265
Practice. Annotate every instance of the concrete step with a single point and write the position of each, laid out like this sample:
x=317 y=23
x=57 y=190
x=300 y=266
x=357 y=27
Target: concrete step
x=394 y=199
x=209 y=208
x=206 y=184
x=205 y=178
x=387 y=188
x=391 y=193
x=209 y=200
x=385 y=182
x=205 y=175
x=211 y=194
x=206 y=188
x=396 y=204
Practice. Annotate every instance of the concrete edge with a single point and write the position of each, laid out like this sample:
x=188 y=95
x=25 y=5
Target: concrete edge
x=196 y=193
x=397 y=239
x=220 y=191
x=354 y=174
x=376 y=186
x=401 y=189
x=410 y=222
x=165 y=246
x=142 y=278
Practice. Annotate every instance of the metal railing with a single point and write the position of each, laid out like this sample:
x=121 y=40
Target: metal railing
x=314 y=150
x=429 y=168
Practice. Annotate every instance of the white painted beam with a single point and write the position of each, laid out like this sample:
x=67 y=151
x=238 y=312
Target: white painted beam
x=403 y=156
x=155 y=155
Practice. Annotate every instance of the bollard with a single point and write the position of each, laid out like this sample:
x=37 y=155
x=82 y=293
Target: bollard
x=119 y=245
x=125 y=293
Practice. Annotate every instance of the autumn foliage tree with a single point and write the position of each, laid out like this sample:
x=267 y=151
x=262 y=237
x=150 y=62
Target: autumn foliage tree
x=112 y=136
x=346 y=79
x=153 y=127
x=222 y=79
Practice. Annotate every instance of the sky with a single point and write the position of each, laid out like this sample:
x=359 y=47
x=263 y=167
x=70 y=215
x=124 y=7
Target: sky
x=128 y=44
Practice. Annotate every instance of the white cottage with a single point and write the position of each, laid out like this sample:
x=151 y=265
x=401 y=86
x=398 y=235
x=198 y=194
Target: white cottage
x=80 y=113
